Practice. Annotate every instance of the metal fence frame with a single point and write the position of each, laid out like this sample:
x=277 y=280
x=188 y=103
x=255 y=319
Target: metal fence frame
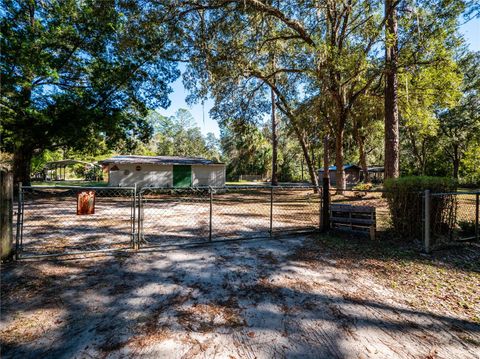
x=137 y=215
x=130 y=192
x=212 y=193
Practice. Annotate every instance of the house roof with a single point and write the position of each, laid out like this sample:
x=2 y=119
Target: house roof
x=158 y=160
x=345 y=167
x=376 y=169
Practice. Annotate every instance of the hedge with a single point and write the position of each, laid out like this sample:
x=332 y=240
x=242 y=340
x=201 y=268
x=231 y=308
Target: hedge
x=405 y=201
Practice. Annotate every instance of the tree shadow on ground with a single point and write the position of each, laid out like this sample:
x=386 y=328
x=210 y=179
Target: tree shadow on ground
x=462 y=255
x=128 y=303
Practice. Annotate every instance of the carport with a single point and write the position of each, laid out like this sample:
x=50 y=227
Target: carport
x=57 y=169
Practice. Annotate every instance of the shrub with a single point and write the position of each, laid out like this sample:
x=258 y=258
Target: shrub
x=405 y=201
x=360 y=189
x=363 y=187
x=93 y=174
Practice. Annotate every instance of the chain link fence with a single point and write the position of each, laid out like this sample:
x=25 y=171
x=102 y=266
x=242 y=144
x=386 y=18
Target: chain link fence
x=296 y=209
x=193 y=215
x=48 y=221
x=173 y=215
x=453 y=217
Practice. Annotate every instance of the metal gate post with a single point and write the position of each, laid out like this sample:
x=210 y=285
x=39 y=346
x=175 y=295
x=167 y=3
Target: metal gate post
x=210 y=191
x=325 y=204
x=427 y=221
x=320 y=208
x=271 y=211
x=477 y=214
x=134 y=209
x=22 y=218
x=139 y=219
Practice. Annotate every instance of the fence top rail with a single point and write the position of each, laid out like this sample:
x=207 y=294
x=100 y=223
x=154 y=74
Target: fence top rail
x=227 y=187
x=78 y=188
x=369 y=190
x=337 y=207
x=454 y=193
x=291 y=186
x=244 y=187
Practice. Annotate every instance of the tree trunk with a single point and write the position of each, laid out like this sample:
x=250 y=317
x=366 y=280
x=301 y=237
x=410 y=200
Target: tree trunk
x=340 y=172
x=456 y=161
x=274 y=142
x=392 y=151
x=22 y=159
x=308 y=160
x=416 y=151
x=361 y=151
x=363 y=161
x=306 y=156
x=423 y=157
x=283 y=106
x=326 y=162
x=325 y=185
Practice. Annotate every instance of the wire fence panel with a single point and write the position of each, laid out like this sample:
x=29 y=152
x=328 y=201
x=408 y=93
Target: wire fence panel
x=50 y=221
x=194 y=215
x=241 y=212
x=173 y=215
x=296 y=209
x=458 y=218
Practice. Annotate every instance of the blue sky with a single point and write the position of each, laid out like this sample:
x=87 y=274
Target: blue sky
x=470 y=30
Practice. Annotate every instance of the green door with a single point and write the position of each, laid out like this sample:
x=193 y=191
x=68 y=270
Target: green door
x=182 y=176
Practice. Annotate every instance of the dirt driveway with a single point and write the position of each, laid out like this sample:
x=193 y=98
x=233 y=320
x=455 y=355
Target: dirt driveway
x=250 y=299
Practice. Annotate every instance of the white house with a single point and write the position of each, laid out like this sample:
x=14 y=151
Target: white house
x=163 y=171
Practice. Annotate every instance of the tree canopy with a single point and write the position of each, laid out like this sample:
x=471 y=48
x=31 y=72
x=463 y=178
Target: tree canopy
x=78 y=73
x=387 y=81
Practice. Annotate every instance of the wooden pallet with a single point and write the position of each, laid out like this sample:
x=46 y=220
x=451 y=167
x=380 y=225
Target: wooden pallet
x=353 y=218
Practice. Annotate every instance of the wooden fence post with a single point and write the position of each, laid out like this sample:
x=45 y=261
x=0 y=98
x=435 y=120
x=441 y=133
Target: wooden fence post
x=6 y=214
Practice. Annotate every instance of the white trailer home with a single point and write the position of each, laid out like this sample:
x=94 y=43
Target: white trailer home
x=163 y=171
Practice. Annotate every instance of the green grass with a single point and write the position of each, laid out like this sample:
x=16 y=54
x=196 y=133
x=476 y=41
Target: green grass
x=242 y=182
x=71 y=183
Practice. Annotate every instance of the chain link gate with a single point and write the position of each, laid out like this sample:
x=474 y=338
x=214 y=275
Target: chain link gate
x=49 y=222
x=201 y=214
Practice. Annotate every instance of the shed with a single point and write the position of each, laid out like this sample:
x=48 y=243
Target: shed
x=163 y=171
x=376 y=174
x=352 y=174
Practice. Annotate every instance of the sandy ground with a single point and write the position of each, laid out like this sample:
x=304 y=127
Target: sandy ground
x=250 y=299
